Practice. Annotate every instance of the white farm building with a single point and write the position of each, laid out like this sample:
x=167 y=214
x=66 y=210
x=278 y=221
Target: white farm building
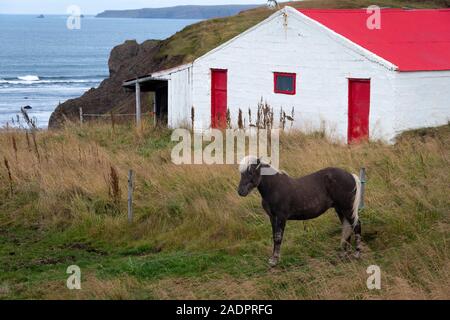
x=359 y=76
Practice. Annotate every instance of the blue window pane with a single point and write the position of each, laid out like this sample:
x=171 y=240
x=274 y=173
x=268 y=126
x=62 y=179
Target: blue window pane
x=285 y=83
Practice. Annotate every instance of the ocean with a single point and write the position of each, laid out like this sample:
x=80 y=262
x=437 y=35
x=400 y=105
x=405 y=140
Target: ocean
x=44 y=63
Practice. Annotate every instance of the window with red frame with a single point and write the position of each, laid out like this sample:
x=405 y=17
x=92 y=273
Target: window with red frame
x=285 y=83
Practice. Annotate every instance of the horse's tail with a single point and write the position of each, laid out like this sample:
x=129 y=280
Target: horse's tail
x=357 y=200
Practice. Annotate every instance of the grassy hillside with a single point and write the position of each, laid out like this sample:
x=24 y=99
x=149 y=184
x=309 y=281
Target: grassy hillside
x=193 y=237
x=198 y=39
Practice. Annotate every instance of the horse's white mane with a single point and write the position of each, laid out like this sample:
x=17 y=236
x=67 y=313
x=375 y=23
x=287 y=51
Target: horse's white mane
x=249 y=160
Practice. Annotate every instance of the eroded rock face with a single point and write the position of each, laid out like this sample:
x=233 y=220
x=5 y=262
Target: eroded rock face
x=128 y=60
x=121 y=55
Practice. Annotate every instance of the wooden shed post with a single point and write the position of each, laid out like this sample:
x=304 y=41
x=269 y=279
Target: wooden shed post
x=154 y=111
x=138 y=104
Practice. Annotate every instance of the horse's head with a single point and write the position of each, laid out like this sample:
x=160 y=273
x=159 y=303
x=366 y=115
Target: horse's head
x=250 y=169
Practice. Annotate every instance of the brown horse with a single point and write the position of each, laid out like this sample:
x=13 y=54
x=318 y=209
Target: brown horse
x=285 y=198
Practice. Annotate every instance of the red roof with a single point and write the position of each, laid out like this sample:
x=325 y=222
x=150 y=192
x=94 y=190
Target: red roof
x=413 y=40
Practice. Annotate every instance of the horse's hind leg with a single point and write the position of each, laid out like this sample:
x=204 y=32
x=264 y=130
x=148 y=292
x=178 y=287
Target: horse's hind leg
x=346 y=235
x=357 y=230
x=356 y=226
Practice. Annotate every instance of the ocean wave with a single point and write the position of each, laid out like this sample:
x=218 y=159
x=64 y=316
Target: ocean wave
x=26 y=80
x=29 y=78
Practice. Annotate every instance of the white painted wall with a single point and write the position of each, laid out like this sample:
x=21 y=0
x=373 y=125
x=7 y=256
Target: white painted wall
x=180 y=98
x=179 y=94
x=422 y=99
x=323 y=66
x=323 y=62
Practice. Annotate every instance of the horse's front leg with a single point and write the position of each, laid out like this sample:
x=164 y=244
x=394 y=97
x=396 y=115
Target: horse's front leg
x=278 y=225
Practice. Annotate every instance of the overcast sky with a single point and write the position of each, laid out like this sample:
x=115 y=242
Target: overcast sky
x=96 y=6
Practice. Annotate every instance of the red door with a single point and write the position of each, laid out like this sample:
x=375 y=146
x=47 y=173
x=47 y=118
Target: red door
x=219 y=79
x=358 y=110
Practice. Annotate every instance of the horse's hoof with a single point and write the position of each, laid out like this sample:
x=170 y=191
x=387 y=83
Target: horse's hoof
x=273 y=262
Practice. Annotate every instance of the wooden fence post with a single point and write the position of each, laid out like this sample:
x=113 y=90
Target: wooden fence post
x=81 y=115
x=113 y=121
x=130 y=196
x=362 y=177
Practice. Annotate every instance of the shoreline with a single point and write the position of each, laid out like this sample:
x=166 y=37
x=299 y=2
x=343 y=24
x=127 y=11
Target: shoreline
x=68 y=64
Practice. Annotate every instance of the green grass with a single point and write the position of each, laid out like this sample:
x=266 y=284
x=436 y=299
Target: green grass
x=193 y=237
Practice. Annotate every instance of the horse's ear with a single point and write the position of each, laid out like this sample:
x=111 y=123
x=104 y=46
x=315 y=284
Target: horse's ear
x=258 y=163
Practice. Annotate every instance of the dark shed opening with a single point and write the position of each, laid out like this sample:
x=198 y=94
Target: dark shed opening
x=159 y=88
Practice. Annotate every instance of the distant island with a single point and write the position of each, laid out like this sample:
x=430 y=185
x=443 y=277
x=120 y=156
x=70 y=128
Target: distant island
x=178 y=12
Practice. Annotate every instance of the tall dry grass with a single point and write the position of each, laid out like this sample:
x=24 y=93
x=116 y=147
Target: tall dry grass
x=75 y=181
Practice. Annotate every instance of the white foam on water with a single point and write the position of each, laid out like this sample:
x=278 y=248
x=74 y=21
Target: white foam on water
x=34 y=82
x=29 y=78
